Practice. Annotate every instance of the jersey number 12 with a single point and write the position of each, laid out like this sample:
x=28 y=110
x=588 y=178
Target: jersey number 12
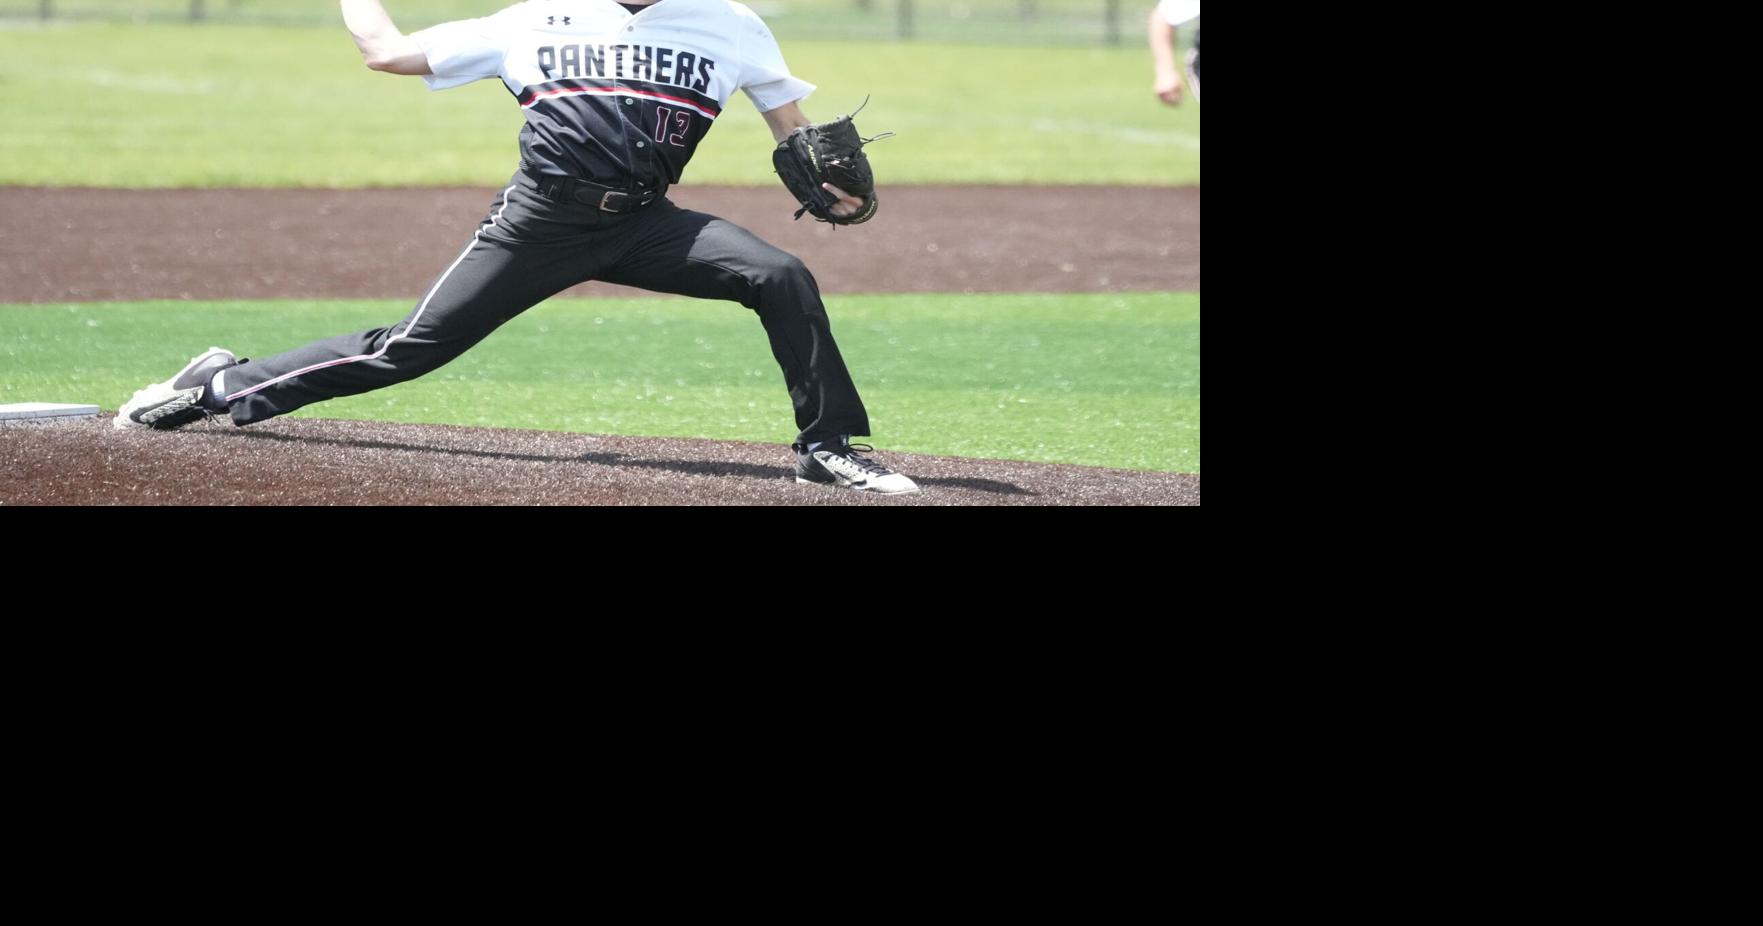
x=679 y=117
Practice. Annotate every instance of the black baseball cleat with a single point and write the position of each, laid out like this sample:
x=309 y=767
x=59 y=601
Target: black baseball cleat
x=177 y=401
x=838 y=463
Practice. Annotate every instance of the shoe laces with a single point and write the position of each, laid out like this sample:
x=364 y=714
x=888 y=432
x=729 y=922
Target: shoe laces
x=865 y=464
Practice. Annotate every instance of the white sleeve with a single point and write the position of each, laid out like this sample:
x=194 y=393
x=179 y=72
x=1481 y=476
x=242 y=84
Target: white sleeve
x=1177 y=12
x=764 y=75
x=464 y=51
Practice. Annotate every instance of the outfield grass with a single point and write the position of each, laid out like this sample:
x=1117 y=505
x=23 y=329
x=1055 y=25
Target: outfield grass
x=165 y=105
x=1102 y=380
x=1056 y=22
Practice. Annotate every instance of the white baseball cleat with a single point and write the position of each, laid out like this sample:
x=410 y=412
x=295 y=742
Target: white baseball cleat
x=838 y=463
x=177 y=401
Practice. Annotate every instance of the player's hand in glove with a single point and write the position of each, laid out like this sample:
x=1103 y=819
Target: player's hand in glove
x=824 y=167
x=847 y=204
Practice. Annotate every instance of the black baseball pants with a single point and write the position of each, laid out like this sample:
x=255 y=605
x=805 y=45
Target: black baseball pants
x=531 y=248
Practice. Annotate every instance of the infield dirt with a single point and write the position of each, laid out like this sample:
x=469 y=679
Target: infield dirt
x=319 y=462
x=84 y=245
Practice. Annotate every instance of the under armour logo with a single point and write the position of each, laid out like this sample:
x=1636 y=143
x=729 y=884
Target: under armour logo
x=552 y=20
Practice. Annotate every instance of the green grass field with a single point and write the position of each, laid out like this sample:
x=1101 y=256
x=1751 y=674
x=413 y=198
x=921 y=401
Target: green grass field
x=167 y=105
x=991 y=22
x=1103 y=380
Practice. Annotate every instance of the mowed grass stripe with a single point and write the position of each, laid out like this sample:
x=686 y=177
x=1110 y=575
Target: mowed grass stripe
x=215 y=105
x=1101 y=380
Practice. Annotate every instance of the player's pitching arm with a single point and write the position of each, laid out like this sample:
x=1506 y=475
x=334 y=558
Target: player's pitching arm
x=382 y=46
x=786 y=119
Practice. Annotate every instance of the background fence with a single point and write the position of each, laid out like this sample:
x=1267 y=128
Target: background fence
x=1057 y=22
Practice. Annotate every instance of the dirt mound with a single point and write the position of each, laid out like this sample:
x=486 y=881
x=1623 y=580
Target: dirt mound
x=321 y=462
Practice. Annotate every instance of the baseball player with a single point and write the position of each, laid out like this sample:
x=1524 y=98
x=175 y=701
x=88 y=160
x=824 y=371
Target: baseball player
x=617 y=96
x=1168 y=15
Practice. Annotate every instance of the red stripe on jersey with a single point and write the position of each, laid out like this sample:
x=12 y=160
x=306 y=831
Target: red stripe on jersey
x=617 y=91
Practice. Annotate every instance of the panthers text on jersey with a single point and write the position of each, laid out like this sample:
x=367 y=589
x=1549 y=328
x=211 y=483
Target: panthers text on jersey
x=613 y=97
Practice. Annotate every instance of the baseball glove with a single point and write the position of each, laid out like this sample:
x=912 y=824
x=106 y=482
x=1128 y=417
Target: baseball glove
x=827 y=152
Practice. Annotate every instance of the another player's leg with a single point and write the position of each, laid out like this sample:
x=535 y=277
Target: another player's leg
x=693 y=254
x=1193 y=65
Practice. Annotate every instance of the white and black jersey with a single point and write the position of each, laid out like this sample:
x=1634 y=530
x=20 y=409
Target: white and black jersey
x=613 y=97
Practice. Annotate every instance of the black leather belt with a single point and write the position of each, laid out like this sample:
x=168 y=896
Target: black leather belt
x=602 y=197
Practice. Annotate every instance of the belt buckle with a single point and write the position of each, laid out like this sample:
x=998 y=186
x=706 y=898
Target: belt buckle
x=605 y=201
